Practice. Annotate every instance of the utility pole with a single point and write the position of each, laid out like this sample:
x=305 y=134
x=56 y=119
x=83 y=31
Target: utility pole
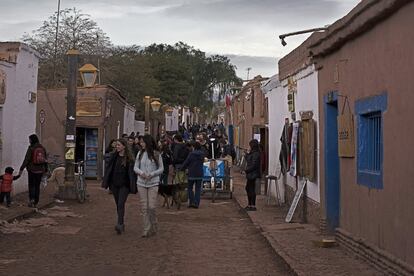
x=68 y=191
x=56 y=43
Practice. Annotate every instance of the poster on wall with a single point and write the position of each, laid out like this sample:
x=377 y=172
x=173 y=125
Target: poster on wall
x=91 y=152
x=294 y=149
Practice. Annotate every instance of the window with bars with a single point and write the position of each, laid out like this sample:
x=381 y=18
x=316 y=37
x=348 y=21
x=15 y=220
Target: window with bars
x=372 y=123
x=370 y=140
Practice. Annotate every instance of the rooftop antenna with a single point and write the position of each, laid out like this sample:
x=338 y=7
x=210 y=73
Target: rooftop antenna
x=248 y=71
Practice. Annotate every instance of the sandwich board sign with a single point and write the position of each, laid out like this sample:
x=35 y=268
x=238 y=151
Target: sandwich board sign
x=295 y=201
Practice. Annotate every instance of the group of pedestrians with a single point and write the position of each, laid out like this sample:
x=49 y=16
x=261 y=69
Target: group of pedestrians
x=140 y=165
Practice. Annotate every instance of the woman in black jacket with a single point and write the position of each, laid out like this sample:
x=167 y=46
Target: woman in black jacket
x=252 y=173
x=121 y=179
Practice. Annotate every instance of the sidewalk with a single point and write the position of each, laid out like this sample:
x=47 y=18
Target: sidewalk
x=19 y=207
x=294 y=241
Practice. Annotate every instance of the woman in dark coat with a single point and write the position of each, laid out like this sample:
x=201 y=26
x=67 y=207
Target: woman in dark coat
x=252 y=173
x=120 y=179
x=36 y=164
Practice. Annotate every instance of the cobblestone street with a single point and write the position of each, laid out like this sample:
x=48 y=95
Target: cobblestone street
x=217 y=239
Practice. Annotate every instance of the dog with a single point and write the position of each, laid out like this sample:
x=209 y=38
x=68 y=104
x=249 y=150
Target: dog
x=168 y=193
x=57 y=177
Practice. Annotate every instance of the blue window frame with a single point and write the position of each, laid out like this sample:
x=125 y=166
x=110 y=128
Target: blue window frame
x=370 y=140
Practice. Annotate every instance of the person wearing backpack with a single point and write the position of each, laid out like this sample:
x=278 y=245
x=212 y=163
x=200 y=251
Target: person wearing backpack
x=36 y=164
x=149 y=167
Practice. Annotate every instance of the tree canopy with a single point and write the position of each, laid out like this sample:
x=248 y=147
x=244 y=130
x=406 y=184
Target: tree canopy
x=76 y=31
x=178 y=74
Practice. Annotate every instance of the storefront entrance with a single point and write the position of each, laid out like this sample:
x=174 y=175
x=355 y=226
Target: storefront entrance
x=87 y=150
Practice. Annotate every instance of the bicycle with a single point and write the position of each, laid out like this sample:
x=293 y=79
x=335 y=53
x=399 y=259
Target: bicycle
x=80 y=183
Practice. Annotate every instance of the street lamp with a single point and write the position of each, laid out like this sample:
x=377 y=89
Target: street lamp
x=169 y=111
x=283 y=36
x=155 y=106
x=88 y=74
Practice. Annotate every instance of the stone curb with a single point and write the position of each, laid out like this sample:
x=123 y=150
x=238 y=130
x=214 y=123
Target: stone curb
x=289 y=262
x=29 y=212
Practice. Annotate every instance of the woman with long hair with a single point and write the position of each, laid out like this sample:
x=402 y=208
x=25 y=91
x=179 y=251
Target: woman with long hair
x=149 y=167
x=252 y=173
x=120 y=179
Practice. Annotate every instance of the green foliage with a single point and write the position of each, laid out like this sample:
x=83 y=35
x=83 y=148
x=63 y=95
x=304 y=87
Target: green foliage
x=178 y=74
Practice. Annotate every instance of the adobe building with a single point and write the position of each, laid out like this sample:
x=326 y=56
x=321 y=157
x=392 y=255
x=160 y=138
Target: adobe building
x=249 y=118
x=18 y=87
x=102 y=114
x=365 y=67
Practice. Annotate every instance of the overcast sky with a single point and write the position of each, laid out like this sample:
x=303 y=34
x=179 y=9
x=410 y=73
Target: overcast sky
x=245 y=30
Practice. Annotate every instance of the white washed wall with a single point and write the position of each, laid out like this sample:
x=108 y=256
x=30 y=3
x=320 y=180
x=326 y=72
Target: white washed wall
x=19 y=115
x=306 y=99
x=277 y=114
x=171 y=122
x=129 y=119
x=139 y=126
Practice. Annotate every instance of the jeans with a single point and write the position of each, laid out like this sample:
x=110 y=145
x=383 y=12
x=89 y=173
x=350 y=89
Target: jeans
x=194 y=198
x=34 y=186
x=5 y=195
x=251 y=192
x=148 y=200
x=120 y=195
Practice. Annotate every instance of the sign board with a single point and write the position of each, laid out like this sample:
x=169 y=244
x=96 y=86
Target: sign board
x=70 y=137
x=295 y=201
x=70 y=145
x=89 y=107
x=42 y=117
x=70 y=154
x=346 y=143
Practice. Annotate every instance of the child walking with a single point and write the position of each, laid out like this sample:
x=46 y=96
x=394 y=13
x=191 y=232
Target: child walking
x=6 y=185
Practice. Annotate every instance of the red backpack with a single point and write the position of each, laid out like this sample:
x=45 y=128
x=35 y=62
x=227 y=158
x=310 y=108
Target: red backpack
x=39 y=155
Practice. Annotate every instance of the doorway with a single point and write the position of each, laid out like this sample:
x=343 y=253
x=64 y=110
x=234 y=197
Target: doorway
x=87 y=150
x=332 y=181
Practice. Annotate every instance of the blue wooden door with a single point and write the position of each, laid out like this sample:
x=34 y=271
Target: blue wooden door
x=332 y=183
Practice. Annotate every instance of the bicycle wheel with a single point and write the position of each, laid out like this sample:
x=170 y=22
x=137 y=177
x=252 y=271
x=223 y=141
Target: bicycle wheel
x=81 y=190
